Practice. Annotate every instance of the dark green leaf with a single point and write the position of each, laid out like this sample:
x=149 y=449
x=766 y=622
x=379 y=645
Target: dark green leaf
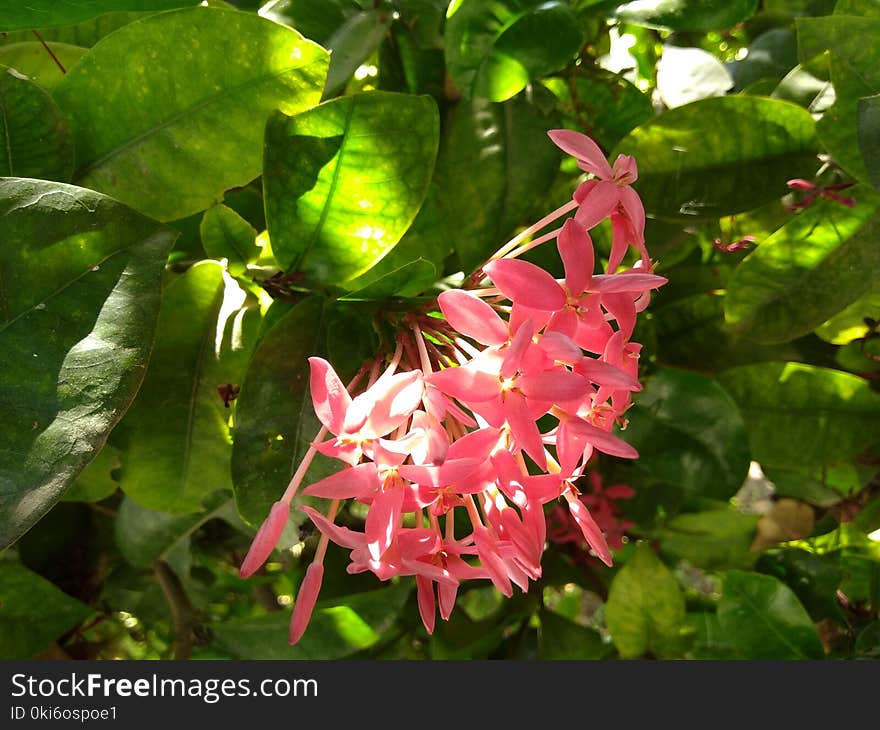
x=763 y=619
x=315 y=19
x=31 y=59
x=344 y=181
x=561 y=638
x=338 y=628
x=275 y=422
x=33 y=612
x=869 y=136
x=176 y=134
x=49 y=13
x=144 y=535
x=34 y=135
x=719 y=538
x=709 y=641
x=96 y=482
x=855 y=73
x=688 y=15
x=493 y=50
x=645 y=609
x=226 y=235
x=853 y=322
x=817 y=264
x=800 y=416
x=689 y=433
x=770 y=56
x=75 y=340
x=352 y=44
x=175 y=439
x=403 y=281
x=813 y=578
x=85 y=33
x=721 y=156
x=495 y=165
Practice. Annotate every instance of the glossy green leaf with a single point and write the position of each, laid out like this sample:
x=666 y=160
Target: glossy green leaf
x=708 y=641
x=144 y=535
x=96 y=482
x=850 y=324
x=34 y=136
x=645 y=608
x=855 y=73
x=718 y=538
x=75 y=341
x=339 y=627
x=175 y=439
x=494 y=49
x=801 y=416
x=813 y=267
x=689 y=434
x=175 y=135
x=770 y=56
x=315 y=19
x=763 y=619
x=604 y=102
x=561 y=638
x=352 y=44
x=686 y=15
x=495 y=165
x=31 y=59
x=720 y=156
x=869 y=136
x=33 y=612
x=49 y=13
x=226 y=235
x=85 y=33
x=403 y=281
x=689 y=74
x=813 y=579
x=275 y=422
x=344 y=181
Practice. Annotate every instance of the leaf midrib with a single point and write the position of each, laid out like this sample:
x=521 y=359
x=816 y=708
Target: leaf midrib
x=192 y=109
x=746 y=599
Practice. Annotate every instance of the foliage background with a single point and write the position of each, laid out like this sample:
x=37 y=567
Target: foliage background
x=182 y=225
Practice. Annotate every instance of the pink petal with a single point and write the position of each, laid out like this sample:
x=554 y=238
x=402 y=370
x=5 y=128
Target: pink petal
x=467 y=382
x=623 y=282
x=592 y=534
x=527 y=283
x=620 y=239
x=584 y=149
x=446 y=593
x=471 y=316
x=342 y=536
x=601 y=373
x=305 y=601
x=427 y=606
x=492 y=561
x=515 y=354
x=559 y=347
x=565 y=322
x=395 y=398
x=358 y=481
x=602 y=440
x=383 y=520
x=576 y=250
x=625 y=169
x=635 y=211
x=266 y=539
x=329 y=396
x=477 y=444
x=523 y=427
x=597 y=203
x=622 y=308
x=554 y=386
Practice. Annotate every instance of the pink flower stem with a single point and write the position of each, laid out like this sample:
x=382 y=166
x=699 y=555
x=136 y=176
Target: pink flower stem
x=322 y=544
x=549 y=218
x=533 y=244
x=423 y=351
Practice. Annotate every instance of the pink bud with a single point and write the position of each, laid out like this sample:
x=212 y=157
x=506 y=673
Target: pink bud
x=305 y=601
x=266 y=539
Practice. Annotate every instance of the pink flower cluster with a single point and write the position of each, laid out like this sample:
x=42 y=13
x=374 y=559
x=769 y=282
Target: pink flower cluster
x=489 y=408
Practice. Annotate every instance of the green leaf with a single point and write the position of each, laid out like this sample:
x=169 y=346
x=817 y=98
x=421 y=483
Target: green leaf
x=226 y=235
x=49 y=13
x=686 y=15
x=275 y=423
x=144 y=535
x=855 y=73
x=850 y=324
x=175 y=438
x=344 y=181
x=869 y=136
x=180 y=131
x=709 y=641
x=813 y=578
x=31 y=59
x=645 y=608
x=33 y=612
x=770 y=56
x=403 y=281
x=799 y=416
x=86 y=33
x=720 y=156
x=315 y=19
x=352 y=44
x=817 y=264
x=613 y=106
x=96 y=481
x=689 y=74
x=561 y=638
x=338 y=628
x=719 y=538
x=763 y=619
x=34 y=135
x=75 y=340
x=494 y=49
x=689 y=433
x=494 y=168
